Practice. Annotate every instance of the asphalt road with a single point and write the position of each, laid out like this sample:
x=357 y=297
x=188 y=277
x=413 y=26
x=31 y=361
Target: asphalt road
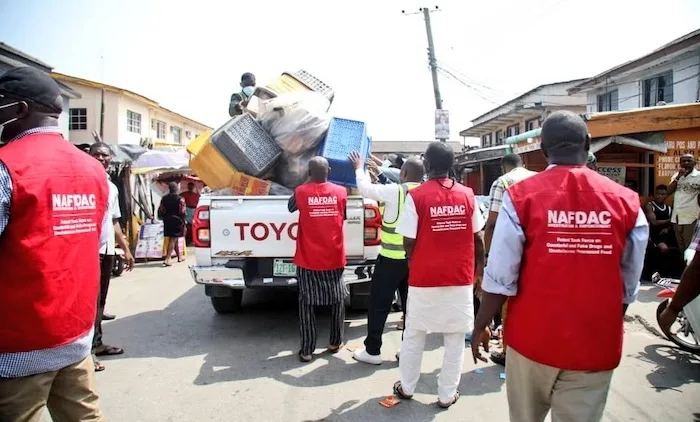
x=184 y=362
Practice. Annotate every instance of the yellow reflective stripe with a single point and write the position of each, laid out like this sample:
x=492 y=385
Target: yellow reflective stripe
x=392 y=242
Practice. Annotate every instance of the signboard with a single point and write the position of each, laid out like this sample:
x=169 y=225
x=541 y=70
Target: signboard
x=614 y=173
x=442 y=124
x=666 y=165
x=527 y=146
x=151 y=239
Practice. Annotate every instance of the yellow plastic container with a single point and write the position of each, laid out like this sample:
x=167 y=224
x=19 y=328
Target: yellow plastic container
x=208 y=164
x=287 y=83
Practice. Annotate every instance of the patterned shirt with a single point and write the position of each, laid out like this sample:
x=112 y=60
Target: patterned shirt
x=695 y=242
x=22 y=364
x=502 y=183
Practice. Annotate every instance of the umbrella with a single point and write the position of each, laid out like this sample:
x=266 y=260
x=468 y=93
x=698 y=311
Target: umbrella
x=161 y=159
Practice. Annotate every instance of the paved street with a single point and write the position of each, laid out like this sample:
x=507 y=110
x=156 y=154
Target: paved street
x=183 y=362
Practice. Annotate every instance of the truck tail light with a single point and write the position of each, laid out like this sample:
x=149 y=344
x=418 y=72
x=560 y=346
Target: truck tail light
x=373 y=225
x=201 y=234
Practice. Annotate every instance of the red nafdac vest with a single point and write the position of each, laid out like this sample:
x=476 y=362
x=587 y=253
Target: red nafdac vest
x=568 y=310
x=443 y=254
x=320 y=241
x=49 y=251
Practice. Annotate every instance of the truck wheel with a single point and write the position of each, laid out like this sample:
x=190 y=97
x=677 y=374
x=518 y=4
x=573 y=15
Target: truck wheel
x=228 y=304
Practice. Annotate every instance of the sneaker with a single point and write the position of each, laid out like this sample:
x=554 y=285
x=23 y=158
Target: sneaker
x=363 y=356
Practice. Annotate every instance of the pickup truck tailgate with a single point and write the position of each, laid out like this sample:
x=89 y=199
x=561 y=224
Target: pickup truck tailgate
x=261 y=226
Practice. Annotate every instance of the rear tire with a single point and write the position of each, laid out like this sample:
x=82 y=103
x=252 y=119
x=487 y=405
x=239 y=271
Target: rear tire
x=228 y=304
x=119 y=265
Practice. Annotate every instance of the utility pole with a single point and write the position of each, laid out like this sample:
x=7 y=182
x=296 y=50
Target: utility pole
x=431 y=57
x=432 y=61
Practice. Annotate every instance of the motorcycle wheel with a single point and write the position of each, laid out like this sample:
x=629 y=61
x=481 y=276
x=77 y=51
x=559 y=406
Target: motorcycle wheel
x=684 y=336
x=119 y=265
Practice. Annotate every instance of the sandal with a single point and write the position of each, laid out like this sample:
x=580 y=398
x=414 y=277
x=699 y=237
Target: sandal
x=447 y=405
x=167 y=264
x=398 y=391
x=108 y=351
x=304 y=359
x=334 y=349
x=99 y=367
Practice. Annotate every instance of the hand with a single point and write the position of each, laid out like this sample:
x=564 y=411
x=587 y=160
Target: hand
x=666 y=319
x=356 y=161
x=129 y=260
x=376 y=160
x=681 y=172
x=480 y=337
x=663 y=248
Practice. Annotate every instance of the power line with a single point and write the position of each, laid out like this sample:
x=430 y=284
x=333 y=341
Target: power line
x=452 y=76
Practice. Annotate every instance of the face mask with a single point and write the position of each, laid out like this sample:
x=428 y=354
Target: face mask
x=2 y=126
x=248 y=90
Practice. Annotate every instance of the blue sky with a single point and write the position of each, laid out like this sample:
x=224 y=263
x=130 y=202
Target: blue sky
x=189 y=55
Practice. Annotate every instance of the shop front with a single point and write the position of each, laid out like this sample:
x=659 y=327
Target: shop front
x=484 y=165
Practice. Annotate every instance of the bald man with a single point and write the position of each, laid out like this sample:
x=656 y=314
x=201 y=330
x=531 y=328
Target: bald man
x=586 y=237
x=391 y=269
x=320 y=255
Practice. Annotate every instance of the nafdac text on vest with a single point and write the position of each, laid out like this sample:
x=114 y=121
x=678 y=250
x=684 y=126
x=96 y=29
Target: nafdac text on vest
x=448 y=218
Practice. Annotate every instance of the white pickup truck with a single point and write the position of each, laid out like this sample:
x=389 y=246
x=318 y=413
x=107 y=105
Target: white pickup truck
x=246 y=242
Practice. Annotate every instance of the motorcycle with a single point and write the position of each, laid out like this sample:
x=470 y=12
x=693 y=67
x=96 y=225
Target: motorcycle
x=119 y=262
x=685 y=331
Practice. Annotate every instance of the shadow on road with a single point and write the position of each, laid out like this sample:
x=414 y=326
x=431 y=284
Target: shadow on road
x=675 y=367
x=406 y=411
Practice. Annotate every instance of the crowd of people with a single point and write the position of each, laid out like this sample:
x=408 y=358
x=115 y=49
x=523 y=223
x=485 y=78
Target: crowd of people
x=460 y=276
x=455 y=273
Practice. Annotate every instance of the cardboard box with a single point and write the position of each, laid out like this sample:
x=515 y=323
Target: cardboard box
x=248 y=185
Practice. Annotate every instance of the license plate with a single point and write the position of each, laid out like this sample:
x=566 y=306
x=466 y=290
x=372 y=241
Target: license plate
x=280 y=268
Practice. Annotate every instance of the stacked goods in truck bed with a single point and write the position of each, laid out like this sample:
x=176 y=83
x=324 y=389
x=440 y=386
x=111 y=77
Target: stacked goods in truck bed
x=343 y=137
x=208 y=163
x=297 y=122
x=246 y=145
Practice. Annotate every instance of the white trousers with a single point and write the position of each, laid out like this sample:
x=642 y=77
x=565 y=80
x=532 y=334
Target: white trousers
x=412 y=356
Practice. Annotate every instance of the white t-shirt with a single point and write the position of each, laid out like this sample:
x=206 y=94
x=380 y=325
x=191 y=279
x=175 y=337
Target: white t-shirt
x=685 y=199
x=115 y=213
x=438 y=309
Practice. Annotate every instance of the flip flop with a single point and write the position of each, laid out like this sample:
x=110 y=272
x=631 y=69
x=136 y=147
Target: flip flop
x=334 y=349
x=109 y=351
x=447 y=405
x=99 y=367
x=167 y=264
x=303 y=358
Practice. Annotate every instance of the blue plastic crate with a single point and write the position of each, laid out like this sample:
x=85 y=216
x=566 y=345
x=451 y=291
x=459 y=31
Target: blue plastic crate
x=343 y=137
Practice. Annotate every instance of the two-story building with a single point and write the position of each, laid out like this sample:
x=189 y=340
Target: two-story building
x=668 y=75
x=11 y=58
x=124 y=117
x=408 y=148
x=519 y=115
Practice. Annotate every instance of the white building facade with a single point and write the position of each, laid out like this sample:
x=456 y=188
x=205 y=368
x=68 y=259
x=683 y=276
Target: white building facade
x=524 y=113
x=129 y=118
x=668 y=75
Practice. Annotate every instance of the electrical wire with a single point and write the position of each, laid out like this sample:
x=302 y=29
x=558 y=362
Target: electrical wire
x=478 y=92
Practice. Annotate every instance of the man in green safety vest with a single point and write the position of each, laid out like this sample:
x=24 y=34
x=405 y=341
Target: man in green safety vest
x=391 y=269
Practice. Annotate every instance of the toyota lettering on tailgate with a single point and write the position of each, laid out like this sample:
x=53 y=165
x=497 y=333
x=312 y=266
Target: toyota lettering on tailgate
x=262 y=231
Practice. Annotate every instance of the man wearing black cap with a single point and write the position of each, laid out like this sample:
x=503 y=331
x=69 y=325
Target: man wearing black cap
x=53 y=205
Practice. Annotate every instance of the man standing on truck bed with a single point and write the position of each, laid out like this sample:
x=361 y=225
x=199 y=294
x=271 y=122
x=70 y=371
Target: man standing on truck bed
x=320 y=255
x=391 y=269
x=238 y=99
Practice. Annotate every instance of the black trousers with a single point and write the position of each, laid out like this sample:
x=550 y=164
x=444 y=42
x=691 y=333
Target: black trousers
x=106 y=264
x=389 y=275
